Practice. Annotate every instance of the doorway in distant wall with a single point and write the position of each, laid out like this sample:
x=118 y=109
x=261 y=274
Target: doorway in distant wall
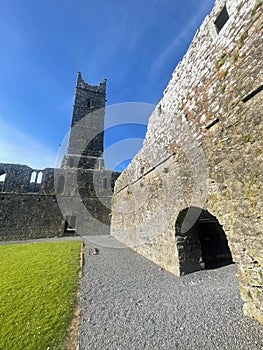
x=204 y=245
x=70 y=226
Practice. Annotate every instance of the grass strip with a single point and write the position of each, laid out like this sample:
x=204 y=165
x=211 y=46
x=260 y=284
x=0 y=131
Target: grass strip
x=38 y=283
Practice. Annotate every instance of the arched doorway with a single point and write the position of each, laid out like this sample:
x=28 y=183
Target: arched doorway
x=204 y=245
x=70 y=225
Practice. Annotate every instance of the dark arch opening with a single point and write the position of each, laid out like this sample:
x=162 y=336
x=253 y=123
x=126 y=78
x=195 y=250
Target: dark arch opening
x=70 y=225
x=204 y=245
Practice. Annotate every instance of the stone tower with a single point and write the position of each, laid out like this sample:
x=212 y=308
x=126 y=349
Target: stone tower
x=85 y=147
x=83 y=184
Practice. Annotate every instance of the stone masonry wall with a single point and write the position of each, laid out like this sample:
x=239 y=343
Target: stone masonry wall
x=203 y=149
x=36 y=210
x=29 y=216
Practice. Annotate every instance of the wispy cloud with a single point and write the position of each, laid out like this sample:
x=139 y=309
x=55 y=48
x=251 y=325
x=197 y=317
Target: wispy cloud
x=176 y=42
x=17 y=147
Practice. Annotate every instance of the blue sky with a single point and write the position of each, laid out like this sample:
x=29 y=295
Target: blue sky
x=135 y=44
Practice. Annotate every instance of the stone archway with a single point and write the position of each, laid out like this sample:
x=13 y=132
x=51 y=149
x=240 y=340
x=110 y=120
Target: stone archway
x=203 y=246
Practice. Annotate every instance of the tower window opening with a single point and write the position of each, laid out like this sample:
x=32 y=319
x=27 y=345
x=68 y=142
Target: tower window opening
x=89 y=103
x=221 y=19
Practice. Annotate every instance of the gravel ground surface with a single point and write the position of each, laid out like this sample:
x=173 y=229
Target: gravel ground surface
x=128 y=302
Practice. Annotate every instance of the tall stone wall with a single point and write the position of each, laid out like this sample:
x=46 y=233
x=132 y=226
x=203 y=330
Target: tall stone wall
x=203 y=150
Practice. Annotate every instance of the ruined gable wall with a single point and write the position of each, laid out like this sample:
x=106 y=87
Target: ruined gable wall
x=203 y=148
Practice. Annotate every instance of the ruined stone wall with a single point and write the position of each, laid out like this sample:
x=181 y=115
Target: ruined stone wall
x=28 y=205
x=36 y=210
x=86 y=195
x=29 y=216
x=203 y=149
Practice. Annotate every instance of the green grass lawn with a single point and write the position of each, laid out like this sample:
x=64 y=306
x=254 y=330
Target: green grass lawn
x=38 y=283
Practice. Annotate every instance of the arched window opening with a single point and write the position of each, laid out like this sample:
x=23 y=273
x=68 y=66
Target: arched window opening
x=33 y=177
x=39 y=177
x=2 y=180
x=2 y=176
x=204 y=245
x=61 y=184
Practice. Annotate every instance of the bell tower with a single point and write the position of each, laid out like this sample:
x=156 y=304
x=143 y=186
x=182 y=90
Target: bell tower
x=85 y=146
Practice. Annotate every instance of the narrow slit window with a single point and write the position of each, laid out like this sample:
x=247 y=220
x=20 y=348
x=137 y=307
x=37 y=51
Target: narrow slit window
x=213 y=122
x=221 y=19
x=252 y=94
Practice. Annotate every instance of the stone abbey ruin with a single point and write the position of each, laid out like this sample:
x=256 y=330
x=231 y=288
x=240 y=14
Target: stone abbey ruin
x=192 y=197
x=53 y=202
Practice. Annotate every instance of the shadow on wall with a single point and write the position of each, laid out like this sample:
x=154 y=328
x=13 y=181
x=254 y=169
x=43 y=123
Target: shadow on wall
x=204 y=245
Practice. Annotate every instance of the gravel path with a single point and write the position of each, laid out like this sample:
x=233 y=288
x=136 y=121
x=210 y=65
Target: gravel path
x=127 y=302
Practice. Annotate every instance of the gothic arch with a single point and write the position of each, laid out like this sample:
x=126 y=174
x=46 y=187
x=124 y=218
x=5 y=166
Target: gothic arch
x=33 y=177
x=39 y=177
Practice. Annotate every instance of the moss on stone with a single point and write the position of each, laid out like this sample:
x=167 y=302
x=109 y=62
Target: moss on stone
x=256 y=7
